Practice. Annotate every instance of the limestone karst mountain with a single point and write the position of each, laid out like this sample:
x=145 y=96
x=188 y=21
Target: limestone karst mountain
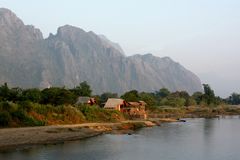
x=74 y=55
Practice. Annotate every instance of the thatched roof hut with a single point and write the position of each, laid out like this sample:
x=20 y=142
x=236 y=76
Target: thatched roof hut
x=115 y=103
x=137 y=109
x=139 y=104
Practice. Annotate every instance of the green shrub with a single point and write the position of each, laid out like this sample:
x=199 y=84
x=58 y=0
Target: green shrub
x=25 y=119
x=18 y=114
x=57 y=96
x=5 y=118
x=43 y=109
x=5 y=106
x=72 y=114
x=30 y=121
x=25 y=105
x=96 y=114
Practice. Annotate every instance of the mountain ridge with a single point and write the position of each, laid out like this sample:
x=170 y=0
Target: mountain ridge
x=73 y=55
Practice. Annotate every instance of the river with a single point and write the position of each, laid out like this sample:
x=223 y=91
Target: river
x=197 y=139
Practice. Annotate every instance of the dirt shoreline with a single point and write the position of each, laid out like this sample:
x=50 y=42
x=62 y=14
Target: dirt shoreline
x=17 y=138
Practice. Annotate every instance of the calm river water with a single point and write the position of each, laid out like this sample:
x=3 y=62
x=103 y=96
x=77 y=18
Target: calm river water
x=197 y=139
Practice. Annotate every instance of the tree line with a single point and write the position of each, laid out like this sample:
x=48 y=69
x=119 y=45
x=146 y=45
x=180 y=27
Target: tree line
x=163 y=97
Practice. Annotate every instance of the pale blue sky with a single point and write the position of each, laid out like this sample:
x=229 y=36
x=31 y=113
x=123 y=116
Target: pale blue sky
x=203 y=35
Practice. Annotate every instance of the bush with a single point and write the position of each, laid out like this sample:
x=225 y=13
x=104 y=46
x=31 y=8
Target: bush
x=25 y=105
x=33 y=95
x=43 y=109
x=96 y=114
x=57 y=96
x=73 y=115
x=30 y=121
x=5 y=106
x=173 y=101
x=5 y=118
x=26 y=120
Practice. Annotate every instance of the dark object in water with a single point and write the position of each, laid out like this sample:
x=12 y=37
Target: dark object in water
x=129 y=133
x=181 y=120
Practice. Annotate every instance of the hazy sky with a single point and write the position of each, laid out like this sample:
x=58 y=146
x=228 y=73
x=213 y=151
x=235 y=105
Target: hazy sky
x=203 y=35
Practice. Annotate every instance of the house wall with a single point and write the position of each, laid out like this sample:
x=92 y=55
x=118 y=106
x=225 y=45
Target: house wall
x=118 y=107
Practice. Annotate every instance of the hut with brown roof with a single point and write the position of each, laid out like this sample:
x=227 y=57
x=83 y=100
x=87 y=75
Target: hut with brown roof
x=116 y=104
x=137 y=109
x=133 y=109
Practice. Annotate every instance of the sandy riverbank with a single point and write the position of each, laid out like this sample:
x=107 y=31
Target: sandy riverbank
x=13 y=138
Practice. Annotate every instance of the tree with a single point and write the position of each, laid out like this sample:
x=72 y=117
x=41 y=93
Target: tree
x=57 y=96
x=148 y=98
x=83 y=89
x=173 y=101
x=190 y=102
x=209 y=95
x=5 y=118
x=131 y=96
x=104 y=97
x=162 y=93
x=234 y=99
x=10 y=94
x=33 y=95
x=15 y=94
x=4 y=92
x=198 y=96
x=184 y=94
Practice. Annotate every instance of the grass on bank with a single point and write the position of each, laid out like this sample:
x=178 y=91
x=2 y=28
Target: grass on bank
x=34 y=114
x=193 y=111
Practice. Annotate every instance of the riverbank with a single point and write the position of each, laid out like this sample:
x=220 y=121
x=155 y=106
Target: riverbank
x=81 y=123
x=169 y=142
x=193 y=112
x=19 y=138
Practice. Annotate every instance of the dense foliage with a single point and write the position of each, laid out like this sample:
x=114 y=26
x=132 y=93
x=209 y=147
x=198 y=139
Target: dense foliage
x=82 y=90
x=53 y=95
x=164 y=97
x=34 y=107
x=63 y=96
x=234 y=99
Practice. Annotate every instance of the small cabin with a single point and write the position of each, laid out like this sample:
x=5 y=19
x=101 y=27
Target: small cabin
x=137 y=109
x=115 y=104
x=133 y=109
x=86 y=100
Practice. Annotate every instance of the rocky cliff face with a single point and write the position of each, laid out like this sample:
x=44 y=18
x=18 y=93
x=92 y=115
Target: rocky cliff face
x=19 y=44
x=73 y=55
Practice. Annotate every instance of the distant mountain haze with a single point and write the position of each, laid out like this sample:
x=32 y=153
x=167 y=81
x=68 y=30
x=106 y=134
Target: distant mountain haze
x=73 y=55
